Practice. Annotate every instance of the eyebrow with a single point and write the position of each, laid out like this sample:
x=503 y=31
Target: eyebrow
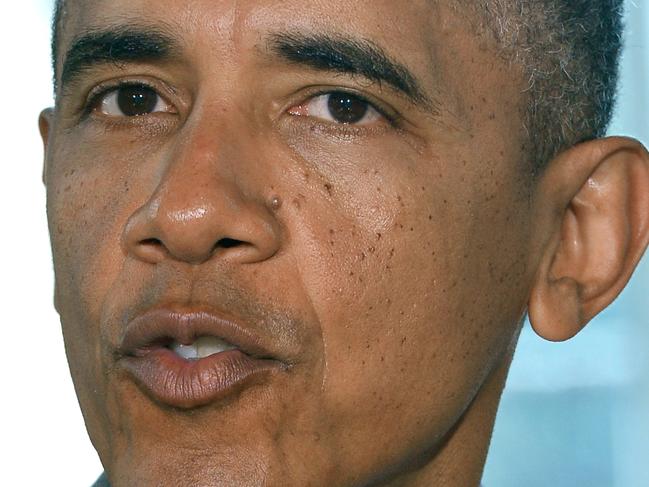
x=347 y=55
x=325 y=52
x=115 y=45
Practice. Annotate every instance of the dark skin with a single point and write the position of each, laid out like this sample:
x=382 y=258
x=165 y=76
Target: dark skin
x=396 y=255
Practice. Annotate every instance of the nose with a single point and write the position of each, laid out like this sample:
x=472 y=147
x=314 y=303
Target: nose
x=200 y=210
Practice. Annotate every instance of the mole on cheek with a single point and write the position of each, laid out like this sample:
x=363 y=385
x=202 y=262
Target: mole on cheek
x=276 y=203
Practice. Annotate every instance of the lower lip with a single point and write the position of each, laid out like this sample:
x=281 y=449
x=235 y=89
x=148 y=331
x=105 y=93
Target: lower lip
x=187 y=384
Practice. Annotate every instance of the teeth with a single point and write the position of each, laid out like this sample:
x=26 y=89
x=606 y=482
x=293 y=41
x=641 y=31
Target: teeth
x=188 y=352
x=201 y=348
x=207 y=346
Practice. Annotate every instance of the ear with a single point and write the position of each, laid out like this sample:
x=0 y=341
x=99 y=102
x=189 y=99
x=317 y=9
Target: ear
x=45 y=121
x=592 y=203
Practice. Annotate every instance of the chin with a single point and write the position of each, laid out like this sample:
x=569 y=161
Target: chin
x=170 y=467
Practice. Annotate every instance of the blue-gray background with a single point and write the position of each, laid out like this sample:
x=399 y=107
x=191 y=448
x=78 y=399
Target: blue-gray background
x=573 y=414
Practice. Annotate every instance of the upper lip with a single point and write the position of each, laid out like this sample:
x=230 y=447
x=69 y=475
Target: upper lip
x=160 y=327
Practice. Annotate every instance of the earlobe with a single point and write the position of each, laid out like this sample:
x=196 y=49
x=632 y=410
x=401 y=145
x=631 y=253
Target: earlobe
x=596 y=238
x=554 y=308
x=44 y=126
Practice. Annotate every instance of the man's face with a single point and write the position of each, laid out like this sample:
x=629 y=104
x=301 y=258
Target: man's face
x=359 y=236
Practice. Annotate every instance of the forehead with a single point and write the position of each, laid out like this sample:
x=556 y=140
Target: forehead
x=422 y=34
x=410 y=28
x=360 y=16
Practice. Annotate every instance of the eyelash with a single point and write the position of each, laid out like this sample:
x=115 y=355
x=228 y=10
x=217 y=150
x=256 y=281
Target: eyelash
x=344 y=130
x=377 y=106
x=350 y=131
x=96 y=94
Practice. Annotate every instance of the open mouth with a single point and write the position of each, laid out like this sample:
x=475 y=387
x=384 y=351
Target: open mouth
x=203 y=347
x=182 y=359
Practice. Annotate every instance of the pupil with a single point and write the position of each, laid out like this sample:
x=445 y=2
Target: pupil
x=136 y=100
x=346 y=108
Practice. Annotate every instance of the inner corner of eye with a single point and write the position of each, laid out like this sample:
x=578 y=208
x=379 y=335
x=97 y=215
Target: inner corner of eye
x=298 y=110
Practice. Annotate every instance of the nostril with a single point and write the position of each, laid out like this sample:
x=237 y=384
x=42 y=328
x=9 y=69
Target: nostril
x=228 y=243
x=151 y=242
x=151 y=250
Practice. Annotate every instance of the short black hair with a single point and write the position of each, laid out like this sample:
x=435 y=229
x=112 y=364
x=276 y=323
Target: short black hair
x=569 y=51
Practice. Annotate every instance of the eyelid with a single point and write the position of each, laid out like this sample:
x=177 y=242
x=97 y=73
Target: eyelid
x=390 y=115
x=101 y=90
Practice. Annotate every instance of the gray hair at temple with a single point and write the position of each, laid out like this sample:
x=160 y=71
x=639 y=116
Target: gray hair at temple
x=569 y=51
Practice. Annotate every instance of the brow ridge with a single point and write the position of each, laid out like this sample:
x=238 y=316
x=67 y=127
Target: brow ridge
x=338 y=53
x=347 y=55
x=118 y=44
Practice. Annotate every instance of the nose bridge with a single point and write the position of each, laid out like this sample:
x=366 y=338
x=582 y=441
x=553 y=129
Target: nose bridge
x=204 y=203
x=196 y=177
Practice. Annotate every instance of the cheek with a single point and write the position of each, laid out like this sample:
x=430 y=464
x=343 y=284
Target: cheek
x=85 y=200
x=81 y=217
x=411 y=302
x=91 y=189
x=360 y=178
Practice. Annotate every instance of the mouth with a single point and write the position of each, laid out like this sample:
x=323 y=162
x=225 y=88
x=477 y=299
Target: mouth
x=203 y=347
x=191 y=359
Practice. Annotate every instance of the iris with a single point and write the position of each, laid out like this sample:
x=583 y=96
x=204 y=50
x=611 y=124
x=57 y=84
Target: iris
x=136 y=100
x=346 y=108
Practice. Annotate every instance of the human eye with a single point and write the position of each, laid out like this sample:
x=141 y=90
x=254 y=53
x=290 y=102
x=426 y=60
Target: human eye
x=129 y=99
x=339 y=107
